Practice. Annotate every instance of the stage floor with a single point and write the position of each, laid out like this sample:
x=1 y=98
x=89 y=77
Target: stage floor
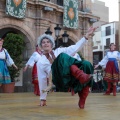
x=60 y=106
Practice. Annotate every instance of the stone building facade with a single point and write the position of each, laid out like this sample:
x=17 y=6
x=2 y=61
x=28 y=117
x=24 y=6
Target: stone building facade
x=36 y=22
x=100 y=9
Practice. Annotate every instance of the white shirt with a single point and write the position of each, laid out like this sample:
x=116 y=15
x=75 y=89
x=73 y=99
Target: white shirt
x=114 y=54
x=5 y=56
x=44 y=65
x=33 y=59
x=77 y=56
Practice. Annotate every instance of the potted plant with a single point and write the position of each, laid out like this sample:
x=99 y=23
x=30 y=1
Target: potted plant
x=14 y=43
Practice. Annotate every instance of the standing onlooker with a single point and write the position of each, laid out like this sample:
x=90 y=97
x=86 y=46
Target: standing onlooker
x=112 y=69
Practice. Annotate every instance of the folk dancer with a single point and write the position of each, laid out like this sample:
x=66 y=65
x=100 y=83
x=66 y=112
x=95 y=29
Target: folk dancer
x=32 y=63
x=112 y=69
x=46 y=42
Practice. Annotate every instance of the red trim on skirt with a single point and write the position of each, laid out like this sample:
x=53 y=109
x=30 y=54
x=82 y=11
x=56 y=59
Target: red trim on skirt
x=111 y=74
x=34 y=75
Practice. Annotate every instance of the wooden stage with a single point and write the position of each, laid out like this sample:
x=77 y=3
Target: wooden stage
x=61 y=106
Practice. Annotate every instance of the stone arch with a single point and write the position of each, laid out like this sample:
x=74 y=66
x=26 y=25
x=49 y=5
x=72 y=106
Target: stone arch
x=72 y=40
x=73 y=36
x=18 y=25
x=11 y=25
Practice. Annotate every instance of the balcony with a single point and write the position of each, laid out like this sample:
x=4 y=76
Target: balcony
x=60 y=3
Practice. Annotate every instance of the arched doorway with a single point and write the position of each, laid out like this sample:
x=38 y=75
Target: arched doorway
x=62 y=44
x=24 y=85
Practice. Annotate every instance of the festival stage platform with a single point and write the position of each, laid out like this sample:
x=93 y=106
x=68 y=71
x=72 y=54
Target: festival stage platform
x=60 y=106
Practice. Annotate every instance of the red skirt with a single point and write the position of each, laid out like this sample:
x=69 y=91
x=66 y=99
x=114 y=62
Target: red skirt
x=34 y=75
x=111 y=72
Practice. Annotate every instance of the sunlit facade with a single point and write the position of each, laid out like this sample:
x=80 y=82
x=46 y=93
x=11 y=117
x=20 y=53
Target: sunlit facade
x=39 y=16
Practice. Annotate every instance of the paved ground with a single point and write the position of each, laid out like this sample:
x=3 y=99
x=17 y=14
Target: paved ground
x=60 y=106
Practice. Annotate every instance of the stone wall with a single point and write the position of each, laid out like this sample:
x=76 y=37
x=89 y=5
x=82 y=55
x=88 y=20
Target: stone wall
x=36 y=22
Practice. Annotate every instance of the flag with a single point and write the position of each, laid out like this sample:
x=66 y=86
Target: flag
x=16 y=8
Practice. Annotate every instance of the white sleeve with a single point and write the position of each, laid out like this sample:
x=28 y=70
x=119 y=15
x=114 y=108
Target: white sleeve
x=34 y=58
x=77 y=56
x=9 y=60
x=119 y=56
x=104 y=61
x=71 y=50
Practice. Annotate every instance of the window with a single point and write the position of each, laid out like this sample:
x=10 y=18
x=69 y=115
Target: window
x=108 y=31
x=96 y=58
x=60 y=2
x=107 y=41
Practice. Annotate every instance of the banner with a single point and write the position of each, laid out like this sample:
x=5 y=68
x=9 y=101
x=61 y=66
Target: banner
x=70 y=18
x=16 y=8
